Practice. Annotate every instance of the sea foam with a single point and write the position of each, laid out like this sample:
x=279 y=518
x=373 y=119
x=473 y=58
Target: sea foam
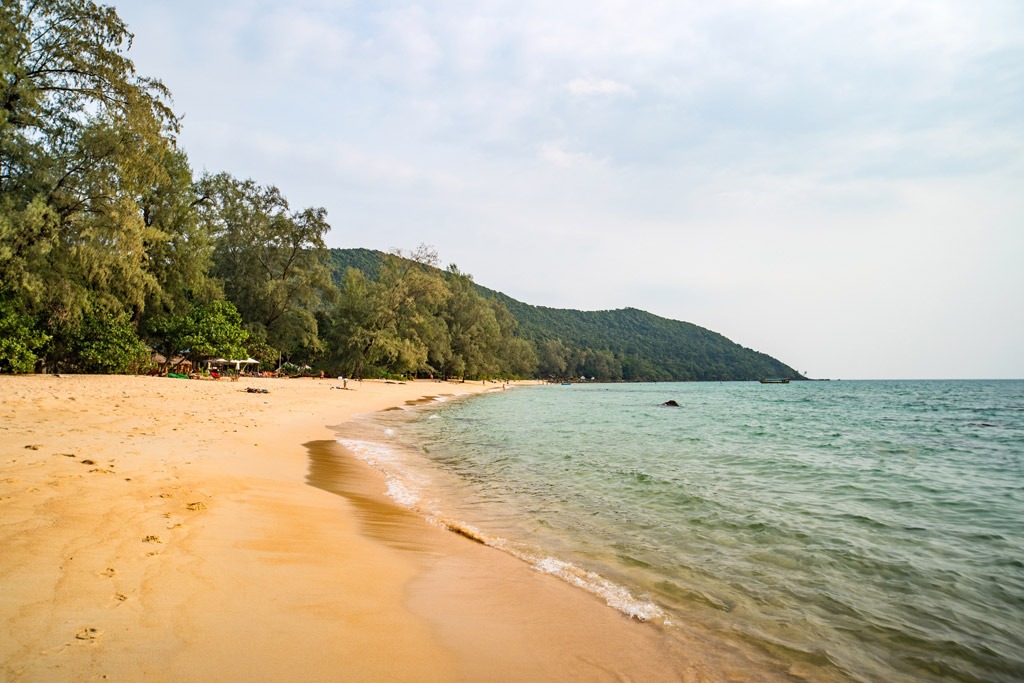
x=404 y=488
x=614 y=595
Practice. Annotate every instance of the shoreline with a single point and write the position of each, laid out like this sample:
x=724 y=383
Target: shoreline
x=160 y=529
x=562 y=596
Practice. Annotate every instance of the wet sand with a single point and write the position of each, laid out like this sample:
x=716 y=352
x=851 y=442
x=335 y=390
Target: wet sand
x=160 y=529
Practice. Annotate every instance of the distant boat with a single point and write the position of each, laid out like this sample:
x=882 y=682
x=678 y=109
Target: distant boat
x=566 y=384
x=772 y=380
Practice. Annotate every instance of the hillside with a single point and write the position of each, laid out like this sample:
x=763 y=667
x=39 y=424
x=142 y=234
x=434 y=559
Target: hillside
x=627 y=344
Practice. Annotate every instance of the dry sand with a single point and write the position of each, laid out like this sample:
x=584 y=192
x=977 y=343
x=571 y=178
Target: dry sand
x=164 y=530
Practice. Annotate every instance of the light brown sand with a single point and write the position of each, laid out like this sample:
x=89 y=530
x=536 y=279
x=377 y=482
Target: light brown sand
x=160 y=529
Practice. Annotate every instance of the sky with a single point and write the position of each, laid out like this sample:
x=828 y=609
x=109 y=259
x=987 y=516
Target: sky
x=837 y=184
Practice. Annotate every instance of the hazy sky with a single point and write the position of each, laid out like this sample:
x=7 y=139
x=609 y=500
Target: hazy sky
x=837 y=184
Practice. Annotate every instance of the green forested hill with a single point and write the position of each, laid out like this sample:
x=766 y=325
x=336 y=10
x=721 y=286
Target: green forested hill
x=627 y=344
x=366 y=260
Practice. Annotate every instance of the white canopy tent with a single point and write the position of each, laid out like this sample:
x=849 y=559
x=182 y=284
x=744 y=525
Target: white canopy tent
x=222 y=362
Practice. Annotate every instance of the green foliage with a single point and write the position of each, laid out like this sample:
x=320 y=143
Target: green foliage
x=273 y=263
x=100 y=343
x=209 y=331
x=20 y=340
x=415 y=318
x=368 y=261
x=552 y=359
x=392 y=322
x=22 y=253
x=353 y=330
x=101 y=229
x=110 y=345
x=482 y=335
x=215 y=330
x=81 y=138
x=63 y=60
x=267 y=355
x=626 y=344
x=634 y=345
x=516 y=356
x=180 y=248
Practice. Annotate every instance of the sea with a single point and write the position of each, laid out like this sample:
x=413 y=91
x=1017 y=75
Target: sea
x=833 y=531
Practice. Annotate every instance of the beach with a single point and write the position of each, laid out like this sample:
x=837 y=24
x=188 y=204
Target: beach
x=163 y=529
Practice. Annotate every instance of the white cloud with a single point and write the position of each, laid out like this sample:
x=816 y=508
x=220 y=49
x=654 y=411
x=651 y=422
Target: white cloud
x=597 y=86
x=554 y=153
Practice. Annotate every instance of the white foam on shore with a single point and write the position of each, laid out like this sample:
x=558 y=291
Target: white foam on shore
x=407 y=487
x=613 y=594
x=405 y=490
x=401 y=493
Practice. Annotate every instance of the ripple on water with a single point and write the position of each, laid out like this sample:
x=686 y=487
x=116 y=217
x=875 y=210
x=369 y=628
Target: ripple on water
x=856 y=530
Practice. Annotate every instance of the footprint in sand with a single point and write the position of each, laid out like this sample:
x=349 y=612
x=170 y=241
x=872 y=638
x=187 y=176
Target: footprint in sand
x=109 y=571
x=152 y=539
x=88 y=633
x=196 y=506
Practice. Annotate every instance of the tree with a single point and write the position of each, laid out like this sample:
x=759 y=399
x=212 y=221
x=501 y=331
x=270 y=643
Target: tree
x=599 y=363
x=20 y=340
x=473 y=330
x=208 y=331
x=516 y=356
x=552 y=359
x=82 y=137
x=96 y=343
x=179 y=251
x=394 y=322
x=354 y=325
x=273 y=263
x=413 y=317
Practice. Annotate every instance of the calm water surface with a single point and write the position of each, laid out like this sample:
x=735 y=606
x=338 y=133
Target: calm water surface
x=860 y=531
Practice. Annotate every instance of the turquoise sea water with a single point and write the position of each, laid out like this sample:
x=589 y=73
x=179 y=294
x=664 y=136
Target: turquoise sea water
x=861 y=531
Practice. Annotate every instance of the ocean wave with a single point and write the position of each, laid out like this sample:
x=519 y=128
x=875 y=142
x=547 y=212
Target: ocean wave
x=614 y=595
x=402 y=487
x=406 y=488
